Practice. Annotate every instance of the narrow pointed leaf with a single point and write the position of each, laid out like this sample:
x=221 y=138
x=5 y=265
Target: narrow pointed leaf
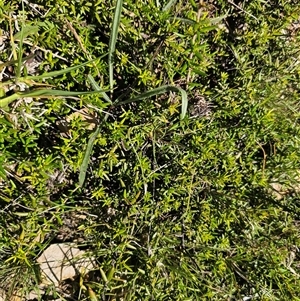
x=111 y=52
x=60 y=72
x=43 y=93
x=161 y=90
x=88 y=151
x=97 y=88
x=113 y=41
x=27 y=30
x=87 y=155
x=169 y=5
x=20 y=52
x=12 y=62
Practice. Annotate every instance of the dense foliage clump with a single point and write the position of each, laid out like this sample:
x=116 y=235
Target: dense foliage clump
x=201 y=205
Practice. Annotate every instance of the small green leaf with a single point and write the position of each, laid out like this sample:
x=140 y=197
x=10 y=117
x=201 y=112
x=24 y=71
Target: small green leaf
x=27 y=30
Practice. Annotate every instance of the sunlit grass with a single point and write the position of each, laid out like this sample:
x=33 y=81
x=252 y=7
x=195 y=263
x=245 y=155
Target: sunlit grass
x=162 y=137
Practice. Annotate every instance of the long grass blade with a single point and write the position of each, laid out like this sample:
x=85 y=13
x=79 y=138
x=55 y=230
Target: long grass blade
x=85 y=163
x=113 y=41
x=20 y=52
x=161 y=90
x=11 y=62
x=43 y=93
x=87 y=155
x=169 y=5
x=59 y=72
x=97 y=88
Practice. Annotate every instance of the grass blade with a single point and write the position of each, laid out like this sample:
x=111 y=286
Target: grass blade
x=20 y=53
x=26 y=31
x=161 y=90
x=59 y=72
x=43 y=93
x=97 y=88
x=112 y=42
x=169 y=5
x=12 y=62
x=87 y=155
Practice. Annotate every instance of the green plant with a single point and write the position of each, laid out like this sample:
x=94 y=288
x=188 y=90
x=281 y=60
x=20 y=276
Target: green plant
x=197 y=206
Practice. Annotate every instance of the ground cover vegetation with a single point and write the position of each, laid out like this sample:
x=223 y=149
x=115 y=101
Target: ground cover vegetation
x=161 y=138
